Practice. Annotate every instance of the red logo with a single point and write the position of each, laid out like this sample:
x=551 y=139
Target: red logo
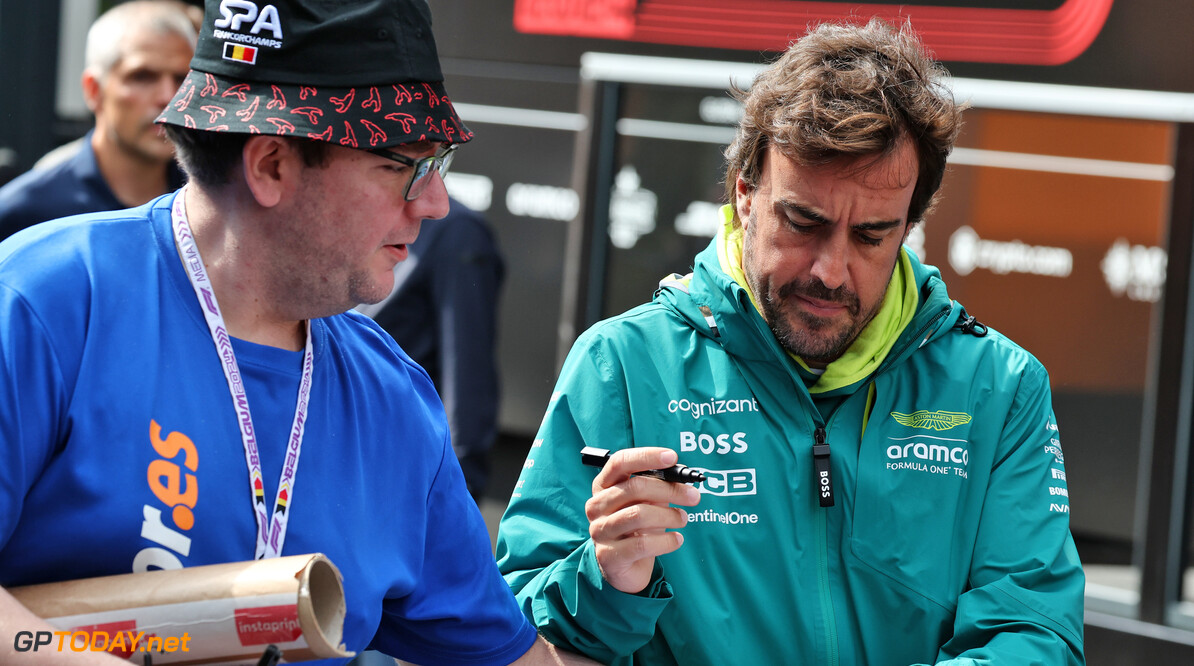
x=974 y=34
x=267 y=624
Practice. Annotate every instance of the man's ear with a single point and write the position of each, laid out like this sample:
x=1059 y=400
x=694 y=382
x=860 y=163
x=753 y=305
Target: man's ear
x=93 y=90
x=743 y=200
x=271 y=167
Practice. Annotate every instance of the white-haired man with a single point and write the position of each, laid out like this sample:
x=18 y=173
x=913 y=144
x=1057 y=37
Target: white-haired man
x=136 y=57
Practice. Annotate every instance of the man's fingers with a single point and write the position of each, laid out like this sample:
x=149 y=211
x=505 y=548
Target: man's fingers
x=630 y=516
x=639 y=490
x=622 y=464
x=636 y=518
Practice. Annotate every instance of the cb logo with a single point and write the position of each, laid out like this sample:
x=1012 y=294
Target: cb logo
x=728 y=482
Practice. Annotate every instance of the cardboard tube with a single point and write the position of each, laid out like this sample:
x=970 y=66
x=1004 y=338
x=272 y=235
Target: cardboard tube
x=221 y=613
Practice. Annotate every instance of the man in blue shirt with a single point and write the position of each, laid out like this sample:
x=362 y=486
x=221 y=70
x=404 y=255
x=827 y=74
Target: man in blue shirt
x=181 y=383
x=136 y=57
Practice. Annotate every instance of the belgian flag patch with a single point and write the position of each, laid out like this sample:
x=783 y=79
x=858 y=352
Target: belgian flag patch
x=240 y=53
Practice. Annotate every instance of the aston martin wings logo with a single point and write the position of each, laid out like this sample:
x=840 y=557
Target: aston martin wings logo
x=937 y=420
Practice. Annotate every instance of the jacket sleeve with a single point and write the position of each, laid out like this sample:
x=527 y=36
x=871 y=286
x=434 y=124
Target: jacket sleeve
x=1024 y=602
x=543 y=547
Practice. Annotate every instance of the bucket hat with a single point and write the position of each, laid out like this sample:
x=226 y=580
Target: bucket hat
x=359 y=73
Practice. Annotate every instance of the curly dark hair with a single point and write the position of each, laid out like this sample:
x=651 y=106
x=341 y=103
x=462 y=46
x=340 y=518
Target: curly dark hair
x=848 y=91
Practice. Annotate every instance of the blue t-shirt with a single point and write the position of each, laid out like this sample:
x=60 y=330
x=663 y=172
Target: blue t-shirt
x=120 y=451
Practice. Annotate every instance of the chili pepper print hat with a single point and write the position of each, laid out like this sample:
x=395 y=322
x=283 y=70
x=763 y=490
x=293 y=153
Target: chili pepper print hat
x=359 y=73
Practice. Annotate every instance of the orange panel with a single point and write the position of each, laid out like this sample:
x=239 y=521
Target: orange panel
x=1124 y=140
x=1088 y=332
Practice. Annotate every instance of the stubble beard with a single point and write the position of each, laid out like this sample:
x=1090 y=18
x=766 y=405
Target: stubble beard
x=817 y=340
x=324 y=286
x=363 y=289
x=311 y=277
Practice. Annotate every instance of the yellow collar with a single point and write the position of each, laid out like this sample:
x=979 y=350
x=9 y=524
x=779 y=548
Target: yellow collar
x=873 y=343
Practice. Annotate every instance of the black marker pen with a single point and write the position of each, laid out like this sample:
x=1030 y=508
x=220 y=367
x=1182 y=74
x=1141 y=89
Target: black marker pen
x=595 y=457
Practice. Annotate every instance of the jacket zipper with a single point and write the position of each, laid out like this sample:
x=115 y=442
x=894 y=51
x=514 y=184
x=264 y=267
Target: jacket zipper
x=824 y=484
x=831 y=657
x=925 y=331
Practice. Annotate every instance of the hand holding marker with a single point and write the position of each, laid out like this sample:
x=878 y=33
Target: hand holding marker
x=595 y=457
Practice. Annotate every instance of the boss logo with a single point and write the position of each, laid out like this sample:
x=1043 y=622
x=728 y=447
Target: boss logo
x=723 y=443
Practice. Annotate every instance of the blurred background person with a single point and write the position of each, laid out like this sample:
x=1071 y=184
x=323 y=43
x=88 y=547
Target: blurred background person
x=443 y=312
x=137 y=55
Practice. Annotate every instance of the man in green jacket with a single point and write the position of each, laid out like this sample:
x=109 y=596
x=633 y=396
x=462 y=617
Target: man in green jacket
x=884 y=482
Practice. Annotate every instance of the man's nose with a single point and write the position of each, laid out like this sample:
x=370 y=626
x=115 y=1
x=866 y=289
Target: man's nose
x=830 y=264
x=432 y=204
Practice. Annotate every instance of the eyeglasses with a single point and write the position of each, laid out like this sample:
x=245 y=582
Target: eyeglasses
x=422 y=169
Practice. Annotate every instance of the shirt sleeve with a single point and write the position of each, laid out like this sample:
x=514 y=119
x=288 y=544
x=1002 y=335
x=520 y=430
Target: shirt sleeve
x=31 y=404
x=544 y=549
x=462 y=612
x=1024 y=603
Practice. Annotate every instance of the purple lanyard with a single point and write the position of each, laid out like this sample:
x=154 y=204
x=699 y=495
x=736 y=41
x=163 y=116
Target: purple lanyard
x=271 y=531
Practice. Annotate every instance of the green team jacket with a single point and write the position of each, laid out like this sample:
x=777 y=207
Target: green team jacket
x=948 y=540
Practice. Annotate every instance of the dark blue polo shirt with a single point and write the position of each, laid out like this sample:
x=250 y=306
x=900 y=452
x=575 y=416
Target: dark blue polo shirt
x=68 y=188
x=443 y=312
